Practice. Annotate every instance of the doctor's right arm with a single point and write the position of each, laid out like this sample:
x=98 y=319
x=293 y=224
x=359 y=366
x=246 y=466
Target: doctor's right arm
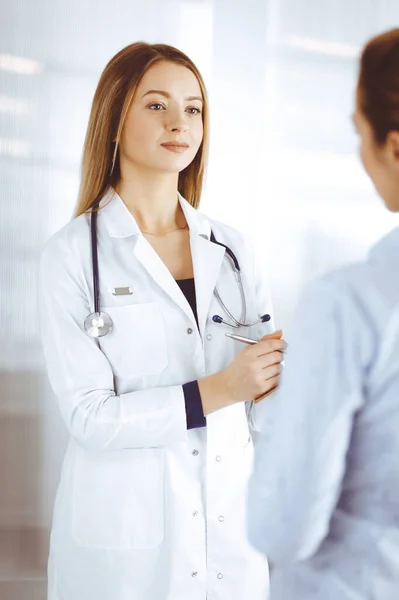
x=81 y=375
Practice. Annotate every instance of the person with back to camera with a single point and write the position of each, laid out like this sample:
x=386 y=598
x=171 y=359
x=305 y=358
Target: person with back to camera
x=324 y=496
x=137 y=294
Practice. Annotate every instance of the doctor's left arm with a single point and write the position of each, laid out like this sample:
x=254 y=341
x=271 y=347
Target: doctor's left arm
x=82 y=377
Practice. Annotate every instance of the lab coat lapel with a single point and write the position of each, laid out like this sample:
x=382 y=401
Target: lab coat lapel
x=120 y=224
x=207 y=259
x=161 y=275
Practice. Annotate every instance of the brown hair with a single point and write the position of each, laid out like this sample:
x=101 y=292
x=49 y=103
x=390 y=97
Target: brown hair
x=379 y=84
x=112 y=98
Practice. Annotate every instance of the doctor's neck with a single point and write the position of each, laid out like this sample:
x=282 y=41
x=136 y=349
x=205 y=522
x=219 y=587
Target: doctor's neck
x=152 y=200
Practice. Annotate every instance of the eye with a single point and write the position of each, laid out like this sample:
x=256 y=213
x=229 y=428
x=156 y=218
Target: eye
x=194 y=111
x=157 y=106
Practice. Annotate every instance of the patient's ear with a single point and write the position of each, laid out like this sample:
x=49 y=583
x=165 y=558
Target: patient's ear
x=392 y=148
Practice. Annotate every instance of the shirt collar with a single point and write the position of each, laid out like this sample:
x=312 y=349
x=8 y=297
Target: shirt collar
x=388 y=245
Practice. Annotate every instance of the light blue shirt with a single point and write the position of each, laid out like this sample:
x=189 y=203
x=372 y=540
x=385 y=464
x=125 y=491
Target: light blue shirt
x=324 y=495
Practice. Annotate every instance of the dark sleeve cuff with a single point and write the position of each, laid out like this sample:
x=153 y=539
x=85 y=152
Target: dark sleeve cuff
x=194 y=411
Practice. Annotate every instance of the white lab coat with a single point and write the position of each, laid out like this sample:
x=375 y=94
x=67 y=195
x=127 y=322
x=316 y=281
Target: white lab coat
x=145 y=509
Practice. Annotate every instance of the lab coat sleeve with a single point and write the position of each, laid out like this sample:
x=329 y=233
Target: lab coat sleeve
x=261 y=414
x=82 y=377
x=299 y=469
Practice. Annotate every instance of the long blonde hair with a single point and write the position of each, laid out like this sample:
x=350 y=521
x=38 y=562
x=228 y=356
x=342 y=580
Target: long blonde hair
x=111 y=102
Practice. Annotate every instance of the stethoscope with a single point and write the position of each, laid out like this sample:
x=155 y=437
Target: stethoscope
x=99 y=323
x=237 y=271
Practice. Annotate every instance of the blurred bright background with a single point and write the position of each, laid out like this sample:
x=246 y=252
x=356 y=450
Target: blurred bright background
x=283 y=167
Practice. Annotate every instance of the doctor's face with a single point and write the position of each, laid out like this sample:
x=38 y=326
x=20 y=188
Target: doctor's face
x=163 y=129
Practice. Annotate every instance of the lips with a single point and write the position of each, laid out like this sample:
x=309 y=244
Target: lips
x=175 y=146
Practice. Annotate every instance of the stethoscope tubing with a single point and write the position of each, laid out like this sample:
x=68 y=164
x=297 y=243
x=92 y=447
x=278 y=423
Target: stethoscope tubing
x=98 y=324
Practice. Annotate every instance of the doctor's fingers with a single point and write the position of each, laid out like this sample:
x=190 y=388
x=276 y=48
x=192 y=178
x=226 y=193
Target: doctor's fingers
x=262 y=376
x=267 y=346
x=273 y=358
x=275 y=335
x=270 y=386
x=271 y=371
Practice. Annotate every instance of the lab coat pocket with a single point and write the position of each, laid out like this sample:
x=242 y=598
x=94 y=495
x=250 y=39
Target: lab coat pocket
x=137 y=343
x=118 y=499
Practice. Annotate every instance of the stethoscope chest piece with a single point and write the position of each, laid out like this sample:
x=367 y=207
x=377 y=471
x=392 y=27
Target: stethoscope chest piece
x=98 y=324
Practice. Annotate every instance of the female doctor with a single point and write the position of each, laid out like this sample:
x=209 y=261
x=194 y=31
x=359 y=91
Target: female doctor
x=136 y=296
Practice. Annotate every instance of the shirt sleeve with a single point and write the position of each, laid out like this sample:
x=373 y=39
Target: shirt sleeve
x=194 y=410
x=299 y=468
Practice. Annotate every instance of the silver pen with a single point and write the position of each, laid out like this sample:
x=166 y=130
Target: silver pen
x=241 y=338
x=245 y=340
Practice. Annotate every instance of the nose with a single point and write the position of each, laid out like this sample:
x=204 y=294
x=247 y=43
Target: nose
x=177 y=123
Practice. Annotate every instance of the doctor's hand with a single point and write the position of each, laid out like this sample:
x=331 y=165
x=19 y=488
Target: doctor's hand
x=255 y=371
x=253 y=374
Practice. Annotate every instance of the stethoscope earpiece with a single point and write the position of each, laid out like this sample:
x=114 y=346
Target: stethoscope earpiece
x=237 y=324
x=265 y=318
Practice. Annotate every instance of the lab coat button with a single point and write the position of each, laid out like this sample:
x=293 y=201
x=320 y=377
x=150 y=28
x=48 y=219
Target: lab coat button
x=218 y=458
x=221 y=518
x=209 y=337
x=189 y=331
x=195 y=513
x=195 y=453
x=220 y=575
x=194 y=574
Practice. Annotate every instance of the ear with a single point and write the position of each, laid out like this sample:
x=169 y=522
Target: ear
x=392 y=147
